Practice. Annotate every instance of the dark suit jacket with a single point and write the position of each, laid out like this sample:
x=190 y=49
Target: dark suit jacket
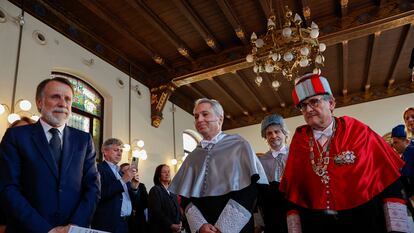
x=163 y=209
x=138 y=222
x=37 y=195
x=108 y=212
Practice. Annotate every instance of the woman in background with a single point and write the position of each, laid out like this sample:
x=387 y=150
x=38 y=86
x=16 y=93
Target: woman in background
x=408 y=117
x=164 y=211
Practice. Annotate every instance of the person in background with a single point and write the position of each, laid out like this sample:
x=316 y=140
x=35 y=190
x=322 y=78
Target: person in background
x=271 y=201
x=217 y=181
x=138 y=220
x=48 y=175
x=115 y=206
x=340 y=176
x=21 y=122
x=408 y=117
x=405 y=147
x=163 y=209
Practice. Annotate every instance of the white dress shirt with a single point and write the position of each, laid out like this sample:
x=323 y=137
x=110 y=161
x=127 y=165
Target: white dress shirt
x=323 y=135
x=46 y=127
x=126 y=207
x=208 y=144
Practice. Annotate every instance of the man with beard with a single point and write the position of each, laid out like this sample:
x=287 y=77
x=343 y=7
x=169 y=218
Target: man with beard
x=49 y=179
x=340 y=176
x=271 y=200
x=217 y=181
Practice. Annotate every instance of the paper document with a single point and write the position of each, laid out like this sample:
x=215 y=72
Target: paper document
x=76 y=229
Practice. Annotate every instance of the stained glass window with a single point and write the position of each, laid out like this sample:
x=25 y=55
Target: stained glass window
x=87 y=109
x=85 y=98
x=79 y=122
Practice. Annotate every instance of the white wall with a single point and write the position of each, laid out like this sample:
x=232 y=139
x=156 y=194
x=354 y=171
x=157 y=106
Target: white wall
x=380 y=115
x=36 y=63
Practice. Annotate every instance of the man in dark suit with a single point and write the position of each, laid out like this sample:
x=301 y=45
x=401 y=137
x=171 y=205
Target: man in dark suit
x=138 y=222
x=115 y=207
x=48 y=171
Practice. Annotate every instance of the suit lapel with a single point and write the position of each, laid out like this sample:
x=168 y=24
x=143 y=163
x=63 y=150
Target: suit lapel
x=108 y=170
x=67 y=152
x=39 y=138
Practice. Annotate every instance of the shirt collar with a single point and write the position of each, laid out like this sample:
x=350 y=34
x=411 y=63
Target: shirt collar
x=327 y=132
x=46 y=127
x=204 y=143
x=112 y=165
x=282 y=150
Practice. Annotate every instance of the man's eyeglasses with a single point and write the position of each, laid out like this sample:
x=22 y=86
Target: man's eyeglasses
x=313 y=103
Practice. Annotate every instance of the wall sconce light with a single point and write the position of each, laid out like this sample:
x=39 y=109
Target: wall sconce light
x=24 y=105
x=127 y=147
x=138 y=151
x=13 y=117
x=3 y=108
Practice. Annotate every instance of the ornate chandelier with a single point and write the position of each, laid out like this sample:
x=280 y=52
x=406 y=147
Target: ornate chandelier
x=286 y=51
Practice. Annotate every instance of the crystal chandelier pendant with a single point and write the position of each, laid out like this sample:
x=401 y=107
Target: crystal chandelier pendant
x=258 y=80
x=284 y=51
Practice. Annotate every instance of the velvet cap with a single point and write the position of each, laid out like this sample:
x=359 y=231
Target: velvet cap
x=399 y=132
x=273 y=119
x=310 y=85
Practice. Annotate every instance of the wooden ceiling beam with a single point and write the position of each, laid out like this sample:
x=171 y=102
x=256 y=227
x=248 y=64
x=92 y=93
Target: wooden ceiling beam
x=199 y=91
x=265 y=8
x=252 y=90
x=403 y=46
x=336 y=37
x=112 y=21
x=71 y=20
x=306 y=11
x=232 y=18
x=365 y=29
x=184 y=101
x=381 y=2
x=345 y=67
x=229 y=94
x=372 y=56
x=197 y=23
x=343 y=4
x=155 y=21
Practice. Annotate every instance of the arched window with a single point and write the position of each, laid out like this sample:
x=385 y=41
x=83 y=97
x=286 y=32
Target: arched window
x=87 y=109
x=190 y=141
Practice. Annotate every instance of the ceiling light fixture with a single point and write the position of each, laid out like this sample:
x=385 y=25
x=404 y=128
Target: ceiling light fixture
x=285 y=48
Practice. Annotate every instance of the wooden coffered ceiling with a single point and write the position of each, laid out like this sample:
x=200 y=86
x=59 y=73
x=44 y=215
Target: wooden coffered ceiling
x=187 y=49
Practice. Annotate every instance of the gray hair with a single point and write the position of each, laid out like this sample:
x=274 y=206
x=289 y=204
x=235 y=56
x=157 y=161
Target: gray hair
x=328 y=97
x=111 y=141
x=215 y=105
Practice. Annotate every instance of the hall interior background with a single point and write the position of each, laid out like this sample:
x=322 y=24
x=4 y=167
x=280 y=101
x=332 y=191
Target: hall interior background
x=61 y=54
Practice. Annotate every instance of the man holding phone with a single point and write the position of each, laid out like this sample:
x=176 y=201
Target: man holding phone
x=115 y=206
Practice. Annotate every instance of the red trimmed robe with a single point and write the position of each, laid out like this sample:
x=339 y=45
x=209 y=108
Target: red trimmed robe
x=353 y=182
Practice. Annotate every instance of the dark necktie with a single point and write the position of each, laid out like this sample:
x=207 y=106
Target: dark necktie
x=55 y=145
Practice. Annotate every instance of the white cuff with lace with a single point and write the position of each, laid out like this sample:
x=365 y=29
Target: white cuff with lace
x=233 y=218
x=194 y=217
x=396 y=216
x=293 y=222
